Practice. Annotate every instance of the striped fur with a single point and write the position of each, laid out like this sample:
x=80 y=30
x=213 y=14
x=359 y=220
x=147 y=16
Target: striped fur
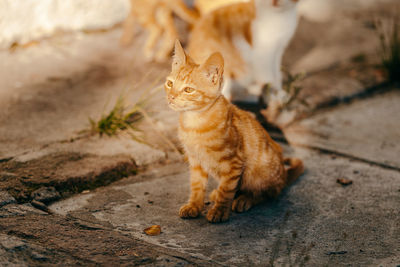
x=223 y=141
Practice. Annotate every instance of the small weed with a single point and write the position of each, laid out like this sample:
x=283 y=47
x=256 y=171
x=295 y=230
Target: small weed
x=359 y=58
x=291 y=87
x=389 y=36
x=124 y=117
x=118 y=119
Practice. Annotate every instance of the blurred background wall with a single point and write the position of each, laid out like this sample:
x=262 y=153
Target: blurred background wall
x=24 y=20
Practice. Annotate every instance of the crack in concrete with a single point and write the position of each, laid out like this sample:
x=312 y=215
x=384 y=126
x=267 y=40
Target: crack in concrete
x=54 y=170
x=6 y=159
x=173 y=253
x=368 y=92
x=347 y=156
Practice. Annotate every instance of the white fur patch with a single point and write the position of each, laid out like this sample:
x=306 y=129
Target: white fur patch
x=272 y=31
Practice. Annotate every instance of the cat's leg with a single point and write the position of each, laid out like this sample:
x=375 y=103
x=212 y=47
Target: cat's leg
x=224 y=195
x=198 y=182
x=264 y=69
x=128 y=32
x=129 y=26
x=276 y=97
x=267 y=68
x=166 y=21
x=154 y=33
x=273 y=31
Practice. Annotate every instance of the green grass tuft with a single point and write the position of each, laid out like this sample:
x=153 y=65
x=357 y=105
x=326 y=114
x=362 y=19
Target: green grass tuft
x=291 y=87
x=124 y=118
x=390 y=48
x=118 y=119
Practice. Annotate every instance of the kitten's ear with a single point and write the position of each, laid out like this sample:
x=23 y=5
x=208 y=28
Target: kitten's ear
x=213 y=68
x=179 y=55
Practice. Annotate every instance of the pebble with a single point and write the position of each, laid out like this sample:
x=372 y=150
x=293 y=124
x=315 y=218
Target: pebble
x=45 y=194
x=6 y=198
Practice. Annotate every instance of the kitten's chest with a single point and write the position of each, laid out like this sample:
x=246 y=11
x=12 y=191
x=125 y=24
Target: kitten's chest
x=200 y=149
x=195 y=144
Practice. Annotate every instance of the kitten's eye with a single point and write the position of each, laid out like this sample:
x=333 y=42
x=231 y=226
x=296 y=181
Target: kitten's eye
x=169 y=84
x=188 y=90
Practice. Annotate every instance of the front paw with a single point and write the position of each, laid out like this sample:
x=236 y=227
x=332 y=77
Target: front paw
x=189 y=211
x=218 y=214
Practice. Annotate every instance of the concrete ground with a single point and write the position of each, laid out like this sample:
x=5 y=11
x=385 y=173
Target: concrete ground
x=315 y=222
x=71 y=198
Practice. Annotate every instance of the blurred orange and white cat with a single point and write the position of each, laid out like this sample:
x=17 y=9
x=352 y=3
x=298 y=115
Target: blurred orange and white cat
x=206 y=6
x=223 y=141
x=157 y=18
x=252 y=36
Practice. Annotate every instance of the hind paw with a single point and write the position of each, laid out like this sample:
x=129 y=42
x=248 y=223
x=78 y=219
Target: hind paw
x=242 y=203
x=218 y=214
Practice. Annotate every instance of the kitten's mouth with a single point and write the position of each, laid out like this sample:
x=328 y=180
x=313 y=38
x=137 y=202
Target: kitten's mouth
x=173 y=106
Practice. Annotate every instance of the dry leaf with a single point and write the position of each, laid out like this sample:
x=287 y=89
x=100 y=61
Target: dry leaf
x=153 y=230
x=344 y=181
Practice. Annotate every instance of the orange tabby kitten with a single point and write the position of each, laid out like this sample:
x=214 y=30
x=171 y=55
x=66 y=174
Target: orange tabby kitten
x=156 y=16
x=223 y=141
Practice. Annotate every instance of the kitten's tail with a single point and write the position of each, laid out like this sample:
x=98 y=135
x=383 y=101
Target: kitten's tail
x=295 y=170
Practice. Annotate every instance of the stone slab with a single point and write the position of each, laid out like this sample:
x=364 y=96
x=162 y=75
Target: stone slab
x=46 y=109
x=13 y=210
x=315 y=222
x=368 y=129
x=52 y=240
x=63 y=174
x=6 y=198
